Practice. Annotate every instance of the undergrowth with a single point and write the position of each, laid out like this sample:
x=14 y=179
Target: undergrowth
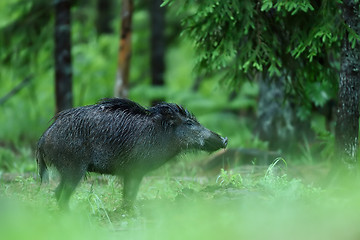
x=229 y=205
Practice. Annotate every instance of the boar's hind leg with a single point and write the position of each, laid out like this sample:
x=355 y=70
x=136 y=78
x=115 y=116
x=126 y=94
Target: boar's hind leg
x=131 y=187
x=66 y=187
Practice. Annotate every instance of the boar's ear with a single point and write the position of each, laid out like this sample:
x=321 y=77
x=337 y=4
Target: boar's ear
x=166 y=114
x=170 y=117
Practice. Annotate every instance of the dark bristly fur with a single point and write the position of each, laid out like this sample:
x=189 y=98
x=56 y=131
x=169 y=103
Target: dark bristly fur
x=118 y=137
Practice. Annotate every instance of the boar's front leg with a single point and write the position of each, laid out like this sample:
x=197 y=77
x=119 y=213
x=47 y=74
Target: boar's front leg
x=131 y=187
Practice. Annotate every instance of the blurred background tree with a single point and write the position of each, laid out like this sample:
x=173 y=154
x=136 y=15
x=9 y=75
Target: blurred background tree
x=62 y=55
x=122 y=75
x=157 y=44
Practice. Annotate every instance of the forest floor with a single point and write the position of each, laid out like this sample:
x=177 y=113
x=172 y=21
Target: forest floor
x=249 y=202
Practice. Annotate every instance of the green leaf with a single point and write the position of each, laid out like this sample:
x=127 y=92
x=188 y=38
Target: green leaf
x=267 y=5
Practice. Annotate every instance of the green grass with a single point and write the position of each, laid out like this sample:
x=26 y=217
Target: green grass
x=232 y=204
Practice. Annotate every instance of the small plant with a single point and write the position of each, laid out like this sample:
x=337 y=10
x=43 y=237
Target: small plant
x=97 y=206
x=279 y=166
x=228 y=178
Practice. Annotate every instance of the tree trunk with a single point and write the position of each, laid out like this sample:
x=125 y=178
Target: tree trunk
x=275 y=117
x=122 y=76
x=277 y=122
x=157 y=15
x=63 y=68
x=104 y=16
x=347 y=124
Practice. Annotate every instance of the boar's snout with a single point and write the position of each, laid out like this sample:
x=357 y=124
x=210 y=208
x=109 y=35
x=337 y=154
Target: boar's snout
x=215 y=142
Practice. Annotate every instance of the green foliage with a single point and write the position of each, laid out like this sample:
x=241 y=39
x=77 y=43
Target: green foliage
x=24 y=33
x=16 y=162
x=228 y=178
x=243 y=38
x=298 y=40
x=289 y=6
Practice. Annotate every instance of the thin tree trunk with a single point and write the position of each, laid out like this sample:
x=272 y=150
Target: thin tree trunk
x=63 y=68
x=104 y=16
x=122 y=76
x=157 y=15
x=347 y=124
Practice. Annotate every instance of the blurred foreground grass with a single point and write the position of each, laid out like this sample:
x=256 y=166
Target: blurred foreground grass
x=258 y=205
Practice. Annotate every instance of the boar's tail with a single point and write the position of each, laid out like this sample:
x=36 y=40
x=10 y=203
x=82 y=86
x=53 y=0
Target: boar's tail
x=42 y=168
